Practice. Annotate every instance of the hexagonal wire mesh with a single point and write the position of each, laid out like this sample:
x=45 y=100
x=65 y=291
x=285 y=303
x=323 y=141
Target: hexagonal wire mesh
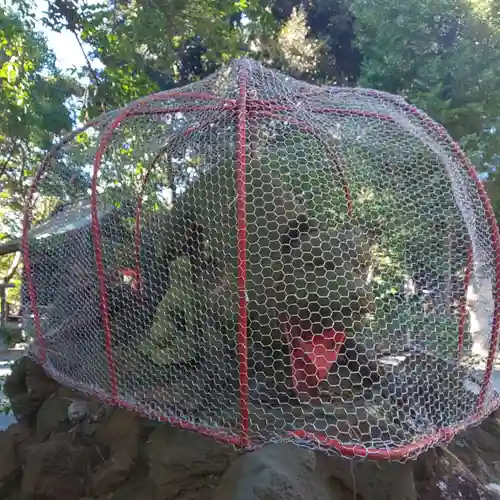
x=263 y=260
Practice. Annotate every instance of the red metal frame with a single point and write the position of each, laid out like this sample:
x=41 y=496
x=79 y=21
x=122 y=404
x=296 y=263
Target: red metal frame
x=242 y=108
x=96 y=231
x=242 y=338
x=27 y=268
x=465 y=163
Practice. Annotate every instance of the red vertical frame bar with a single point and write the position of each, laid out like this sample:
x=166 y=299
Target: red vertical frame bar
x=28 y=271
x=96 y=240
x=242 y=337
x=26 y=226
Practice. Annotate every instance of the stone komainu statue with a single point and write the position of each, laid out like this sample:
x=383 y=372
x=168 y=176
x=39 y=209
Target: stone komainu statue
x=260 y=259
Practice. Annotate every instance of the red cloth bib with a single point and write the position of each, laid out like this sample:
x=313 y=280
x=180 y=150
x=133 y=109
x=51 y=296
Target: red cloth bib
x=312 y=357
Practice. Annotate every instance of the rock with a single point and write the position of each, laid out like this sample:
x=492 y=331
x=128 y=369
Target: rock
x=118 y=435
x=490 y=430
x=11 y=441
x=82 y=409
x=10 y=465
x=27 y=387
x=466 y=468
x=136 y=488
x=277 y=472
x=441 y=476
x=74 y=448
x=14 y=495
x=184 y=465
x=22 y=434
x=39 y=385
x=68 y=393
x=372 y=480
x=58 y=469
x=51 y=417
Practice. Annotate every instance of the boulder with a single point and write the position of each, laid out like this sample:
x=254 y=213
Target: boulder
x=27 y=387
x=68 y=446
x=137 y=487
x=118 y=437
x=277 y=472
x=10 y=460
x=468 y=468
x=372 y=480
x=52 y=416
x=183 y=465
x=441 y=475
x=58 y=469
x=10 y=465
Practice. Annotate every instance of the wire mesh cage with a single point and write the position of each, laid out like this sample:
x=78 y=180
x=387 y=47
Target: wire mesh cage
x=263 y=260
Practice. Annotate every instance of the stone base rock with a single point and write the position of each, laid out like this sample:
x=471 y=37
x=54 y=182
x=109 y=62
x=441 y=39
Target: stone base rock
x=59 y=468
x=278 y=472
x=11 y=460
x=372 y=480
x=118 y=435
x=27 y=387
x=69 y=447
x=185 y=466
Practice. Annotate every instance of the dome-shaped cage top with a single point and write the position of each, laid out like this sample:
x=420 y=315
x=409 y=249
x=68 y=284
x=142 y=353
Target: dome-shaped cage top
x=264 y=260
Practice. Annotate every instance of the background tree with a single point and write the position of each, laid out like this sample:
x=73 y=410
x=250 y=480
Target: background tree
x=442 y=57
x=33 y=113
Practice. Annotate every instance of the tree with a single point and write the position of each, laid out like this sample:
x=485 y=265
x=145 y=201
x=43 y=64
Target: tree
x=444 y=58
x=33 y=113
x=33 y=110
x=146 y=46
x=441 y=56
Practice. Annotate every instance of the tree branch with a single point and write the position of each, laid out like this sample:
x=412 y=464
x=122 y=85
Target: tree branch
x=92 y=71
x=5 y=164
x=13 y=267
x=10 y=246
x=20 y=180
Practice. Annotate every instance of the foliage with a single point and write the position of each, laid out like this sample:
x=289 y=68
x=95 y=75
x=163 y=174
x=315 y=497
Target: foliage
x=146 y=47
x=5 y=408
x=444 y=57
x=32 y=111
x=441 y=56
x=11 y=334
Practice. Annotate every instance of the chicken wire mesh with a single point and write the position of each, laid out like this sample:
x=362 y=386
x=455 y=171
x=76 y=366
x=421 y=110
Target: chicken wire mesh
x=263 y=260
